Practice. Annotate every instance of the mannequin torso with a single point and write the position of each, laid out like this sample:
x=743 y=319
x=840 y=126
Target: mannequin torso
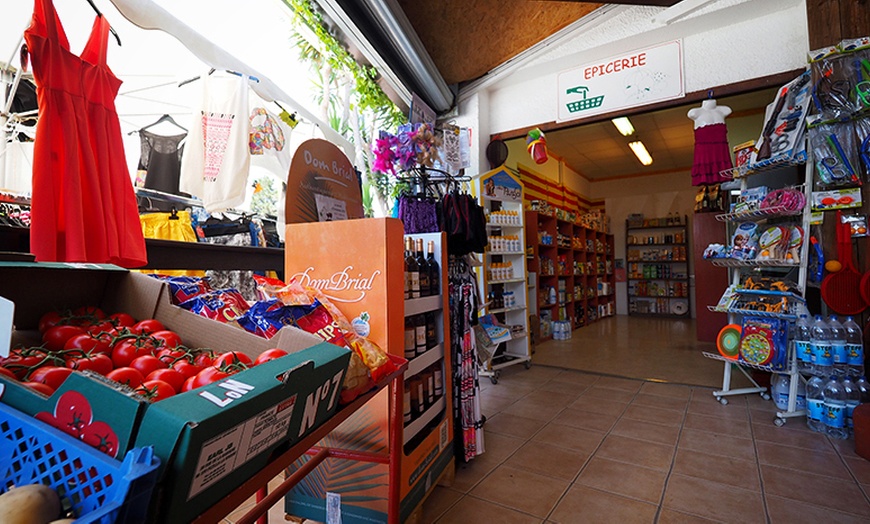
x=709 y=113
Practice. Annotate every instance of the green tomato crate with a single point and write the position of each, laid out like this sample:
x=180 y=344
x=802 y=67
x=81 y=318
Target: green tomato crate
x=92 y=486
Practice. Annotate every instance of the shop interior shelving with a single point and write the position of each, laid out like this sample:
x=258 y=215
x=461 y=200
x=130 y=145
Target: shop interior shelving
x=796 y=270
x=658 y=267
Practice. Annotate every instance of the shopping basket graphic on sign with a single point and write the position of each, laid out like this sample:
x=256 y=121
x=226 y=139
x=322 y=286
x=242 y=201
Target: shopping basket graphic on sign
x=581 y=105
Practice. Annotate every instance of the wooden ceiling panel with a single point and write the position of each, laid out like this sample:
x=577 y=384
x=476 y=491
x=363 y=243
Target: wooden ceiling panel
x=467 y=39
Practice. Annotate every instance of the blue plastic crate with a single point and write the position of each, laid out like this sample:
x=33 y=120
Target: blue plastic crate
x=92 y=486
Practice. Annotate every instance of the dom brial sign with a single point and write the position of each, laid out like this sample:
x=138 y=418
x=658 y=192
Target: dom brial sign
x=623 y=81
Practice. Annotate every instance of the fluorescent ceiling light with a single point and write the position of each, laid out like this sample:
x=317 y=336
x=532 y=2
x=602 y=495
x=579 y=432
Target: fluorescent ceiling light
x=624 y=125
x=640 y=152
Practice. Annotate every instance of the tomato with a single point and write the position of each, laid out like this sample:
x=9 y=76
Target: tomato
x=8 y=374
x=233 y=358
x=166 y=338
x=186 y=368
x=270 y=354
x=45 y=389
x=52 y=376
x=121 y=320
x=100 y=435
x=49 y=320
x=89 y=311
x=209 y=375
x=99 y=327
x=156 y=390
x=87 y=343
x=146 y=326
x=171 y=376
x=204 y=358
x=127 y=350
x=129 y=376
x=97 y=362
x=147 y=363
x=188 y=384
x=56 y=337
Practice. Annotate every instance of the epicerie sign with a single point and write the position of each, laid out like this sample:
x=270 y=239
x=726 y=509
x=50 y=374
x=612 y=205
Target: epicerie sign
x=638 y=78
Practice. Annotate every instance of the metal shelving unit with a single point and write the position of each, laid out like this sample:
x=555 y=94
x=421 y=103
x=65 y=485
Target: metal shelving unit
x=662 y=245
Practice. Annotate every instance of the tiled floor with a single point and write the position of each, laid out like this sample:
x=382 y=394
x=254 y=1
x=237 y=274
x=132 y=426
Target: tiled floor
x=569 y=446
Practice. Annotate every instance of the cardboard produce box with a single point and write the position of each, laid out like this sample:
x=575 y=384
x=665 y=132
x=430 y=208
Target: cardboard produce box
x=209 y=440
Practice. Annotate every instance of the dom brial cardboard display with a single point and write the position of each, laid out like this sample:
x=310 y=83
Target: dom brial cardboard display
x=209 y=440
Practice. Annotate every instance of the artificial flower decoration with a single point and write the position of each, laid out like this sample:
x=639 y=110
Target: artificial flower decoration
x=413 y=145
x=536 y=144
x=385 y=153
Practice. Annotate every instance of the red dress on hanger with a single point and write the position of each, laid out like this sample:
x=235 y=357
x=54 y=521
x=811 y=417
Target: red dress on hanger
x=83 y=205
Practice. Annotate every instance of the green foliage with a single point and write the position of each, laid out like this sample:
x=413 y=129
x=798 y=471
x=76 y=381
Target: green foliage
x=265 y=201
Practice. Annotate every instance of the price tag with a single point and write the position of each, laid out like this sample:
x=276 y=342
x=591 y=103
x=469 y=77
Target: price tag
x=7 y=312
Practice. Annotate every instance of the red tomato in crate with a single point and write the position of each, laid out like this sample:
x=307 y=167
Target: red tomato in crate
x=155 y=390
x=209 y=375
x=126 y=375
x=55 y=338
x=97 y=362
x=49 y=320
x=232 y=358
x=121 y=320
x=186 y=368
x=204 y=359
x=146 y=326
x=89 y=311
x=8 y=374
x=172 y=377
x=188 y=384
x=147 y=364
x=52 y=376
x=270 y=354
x=127 y=350
x=103 y=326
x=88 y=344
x=45 y=389
x=166 y=338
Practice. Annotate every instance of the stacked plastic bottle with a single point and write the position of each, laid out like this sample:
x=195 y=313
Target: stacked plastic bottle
x=835 y=408
x=854 y=346
x=820 y=341
x=816 y=404
x=802 y=345
x=838 y=346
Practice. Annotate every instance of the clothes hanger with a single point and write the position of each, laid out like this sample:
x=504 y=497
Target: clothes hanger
x=165 y=118
x=111 y=29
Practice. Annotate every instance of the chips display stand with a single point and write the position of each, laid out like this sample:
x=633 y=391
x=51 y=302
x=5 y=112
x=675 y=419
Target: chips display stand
x=753 y=354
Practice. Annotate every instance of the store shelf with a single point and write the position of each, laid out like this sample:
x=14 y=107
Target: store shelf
x=654 y=279
x=736 y=262
x=715 y=356
x=418 y=364
x=764 y=166
x=657 y=244
x=507 y=309
x=658 y=262
x=509 y=281
x=415 y=427
x=768 y=212
x=652 y=296
x=504 y=226
x=415 y=306
x=506 y=252
x=672 y=226
x=752 y=312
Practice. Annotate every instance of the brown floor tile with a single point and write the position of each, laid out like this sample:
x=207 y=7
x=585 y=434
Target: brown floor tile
x=715 y=409
x=787 y=511
x=521 y=490
x=845 y=448
x=655 y=401
x=620 y=383
x=549 y=397
x=646 y=431
x=713 y=500
x=716 y=444
x=500 y=446
x=579 y=418
x=491 y=405
x=511 y=389
x=548 y=460
x=564 y=388
x=795 y=458
x=508 y=424
x=575 y=439
x=585 y=505
x=598 y=405
x=577 y=378
x=666 y=390
x=727 y=470
x=649 y=414
x=860 y=468
x=533 y=409
x=669 y=516
x=733 y=428
x=705 y=395
x=624 y=479
x=472 y=509
x=638 y=452
x=788 y=436
x=608 y=393
x=828 y=492
x=471 y=473
x=439 y=501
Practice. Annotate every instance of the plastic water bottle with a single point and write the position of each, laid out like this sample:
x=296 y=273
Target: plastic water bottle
x=838 y=346
x=864 y=389
x=815 y=404
x=802 y=346
x=779 y=385
x=820 y=338
x=854 y=346
x=835 y=408
x=853 y=398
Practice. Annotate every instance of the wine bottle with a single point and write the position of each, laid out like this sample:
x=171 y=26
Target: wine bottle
x=431 y=330
x=422 y=268
x=413 y=268
x=420 y=334
x=407 y=273
x=434 y=271
x=410 y=338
